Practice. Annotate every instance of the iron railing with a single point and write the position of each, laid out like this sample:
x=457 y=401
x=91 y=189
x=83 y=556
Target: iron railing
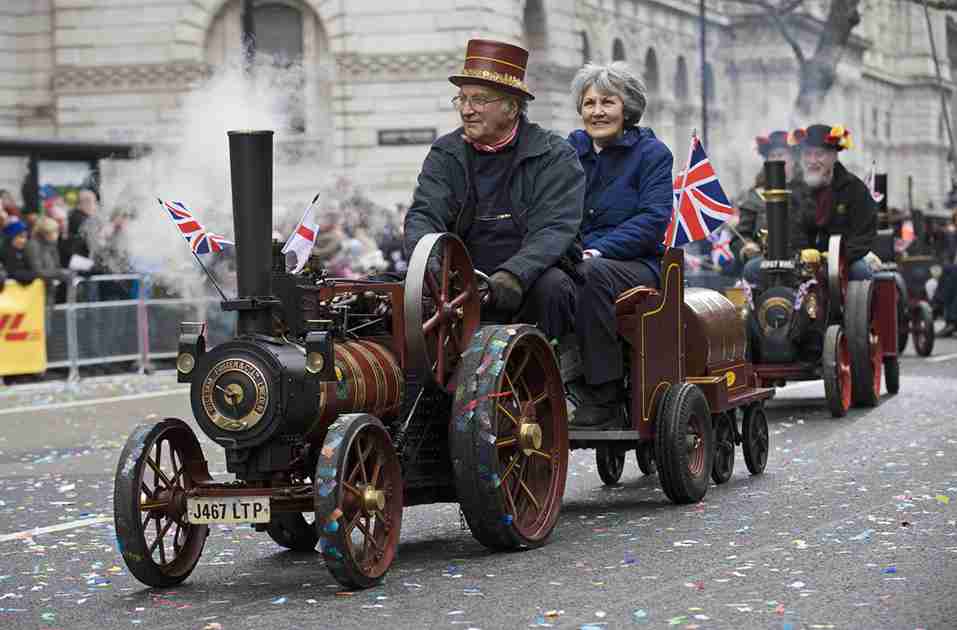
x=130 y=325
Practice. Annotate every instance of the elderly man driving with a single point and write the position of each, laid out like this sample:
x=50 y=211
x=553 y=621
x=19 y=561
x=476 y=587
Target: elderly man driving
x=511 y=190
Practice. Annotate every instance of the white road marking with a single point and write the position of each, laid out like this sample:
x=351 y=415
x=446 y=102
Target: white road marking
x=942 y=357
x=92 y=401
x=30 y=533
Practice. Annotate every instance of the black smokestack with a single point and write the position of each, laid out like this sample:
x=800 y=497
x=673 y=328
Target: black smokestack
x=776 y=199
x=880 y=186
x=250 y=165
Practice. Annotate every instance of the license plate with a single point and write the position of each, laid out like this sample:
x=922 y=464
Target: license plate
x=207 y=510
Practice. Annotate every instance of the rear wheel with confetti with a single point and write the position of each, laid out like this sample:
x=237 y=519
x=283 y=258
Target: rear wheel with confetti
x=358 y=496
x=509 y=437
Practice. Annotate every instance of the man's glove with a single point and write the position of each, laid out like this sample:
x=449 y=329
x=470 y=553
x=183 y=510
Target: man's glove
x=749 y=250
x=506 y=291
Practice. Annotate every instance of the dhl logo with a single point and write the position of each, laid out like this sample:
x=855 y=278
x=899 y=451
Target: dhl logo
x=10 y=328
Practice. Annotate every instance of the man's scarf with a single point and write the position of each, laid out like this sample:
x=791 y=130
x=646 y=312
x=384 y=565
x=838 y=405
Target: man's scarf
x=498 y=146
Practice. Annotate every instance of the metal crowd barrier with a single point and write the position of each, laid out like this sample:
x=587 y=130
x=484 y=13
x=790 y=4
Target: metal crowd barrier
x=113 y=318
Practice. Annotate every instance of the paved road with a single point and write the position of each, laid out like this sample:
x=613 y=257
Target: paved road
x=852 y=526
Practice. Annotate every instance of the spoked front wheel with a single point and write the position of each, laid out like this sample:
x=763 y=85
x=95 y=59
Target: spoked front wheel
x=158 y=465
x=358 y=496
x=294 y=531
x=922 y=323
x=836 y=368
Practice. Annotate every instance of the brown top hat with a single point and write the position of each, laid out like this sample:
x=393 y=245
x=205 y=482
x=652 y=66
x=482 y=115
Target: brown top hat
x=495 y=64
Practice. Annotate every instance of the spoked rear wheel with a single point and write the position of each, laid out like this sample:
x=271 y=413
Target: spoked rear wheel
x=509 y=437
x=684 y=443
x=836 y=367
x=358 y=500
x=837 y=278
x=723 y=467
x=158 y=465
x=864 y=343
x=611 y=463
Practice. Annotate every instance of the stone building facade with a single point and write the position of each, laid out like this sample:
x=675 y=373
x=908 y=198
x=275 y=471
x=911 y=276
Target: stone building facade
x=372 y=85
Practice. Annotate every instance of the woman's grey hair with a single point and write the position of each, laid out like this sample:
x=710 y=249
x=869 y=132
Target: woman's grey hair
x=615 y=78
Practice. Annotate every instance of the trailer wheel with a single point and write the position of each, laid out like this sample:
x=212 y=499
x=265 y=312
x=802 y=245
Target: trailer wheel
x=509 y=437
x=723 y=467
x=293 y=531
x=611 y=463
x=922 y=322
x=756 y=440
x=864 y=344
x=358 y=496
x=684 y=443
x=159 y=463
x=836 y=363
x=645 y=454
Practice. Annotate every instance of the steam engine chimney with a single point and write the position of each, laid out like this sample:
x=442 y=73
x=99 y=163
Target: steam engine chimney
x=250 y=165
x=776 y=198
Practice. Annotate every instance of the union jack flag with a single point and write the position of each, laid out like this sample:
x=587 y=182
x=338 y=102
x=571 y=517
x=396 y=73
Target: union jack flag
x=200 y=241
x=721 y=248
x=700 y=205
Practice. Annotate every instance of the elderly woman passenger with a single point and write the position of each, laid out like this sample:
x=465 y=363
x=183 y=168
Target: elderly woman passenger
x=628 y=202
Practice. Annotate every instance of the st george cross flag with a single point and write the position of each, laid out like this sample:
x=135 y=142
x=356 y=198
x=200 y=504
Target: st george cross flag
x=200 y=241
x=700 y=205
x=302 y=239
x=871 y=181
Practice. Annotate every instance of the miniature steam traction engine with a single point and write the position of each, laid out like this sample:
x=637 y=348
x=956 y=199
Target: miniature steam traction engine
x=809 y=322
x=339 y=402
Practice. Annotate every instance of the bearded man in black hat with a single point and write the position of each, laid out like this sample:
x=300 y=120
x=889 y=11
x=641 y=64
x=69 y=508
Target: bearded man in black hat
x=842 y=202
x=511 y=190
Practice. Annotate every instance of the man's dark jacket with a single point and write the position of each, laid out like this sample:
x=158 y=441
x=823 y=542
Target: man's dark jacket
x=853 y=214
x=547 y=191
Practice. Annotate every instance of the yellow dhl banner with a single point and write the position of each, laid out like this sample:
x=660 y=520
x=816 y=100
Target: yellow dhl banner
x=23 y=348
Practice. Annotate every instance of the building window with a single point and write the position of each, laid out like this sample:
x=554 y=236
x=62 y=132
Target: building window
x=681 y=80
x=586 y=48
x=277 y=29
x=875 y=119
x=618 y=50
x=887 y=125
x=651 y=71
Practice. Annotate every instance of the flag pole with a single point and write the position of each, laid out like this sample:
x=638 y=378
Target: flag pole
x=209 y=275
x=684 y=178
x=201 y=265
